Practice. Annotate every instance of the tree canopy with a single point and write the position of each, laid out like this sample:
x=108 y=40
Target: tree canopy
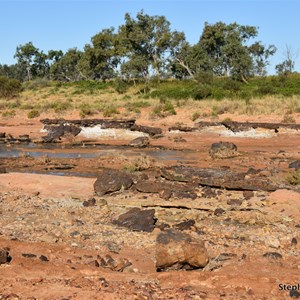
x=146 y=46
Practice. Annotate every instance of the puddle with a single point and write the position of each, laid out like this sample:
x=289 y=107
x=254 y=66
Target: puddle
x=57 y=151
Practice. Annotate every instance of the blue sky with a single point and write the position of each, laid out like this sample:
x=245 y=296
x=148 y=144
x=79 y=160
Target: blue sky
x=65 y=24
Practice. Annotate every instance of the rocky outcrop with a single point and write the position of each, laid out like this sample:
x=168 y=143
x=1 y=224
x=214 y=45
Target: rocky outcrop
x=137 y=220
x=56 y=132
x=223 y=150
x=152 y=131
x=244 y=126
x=140 y=142
x=220 y=178
x=177 y=250
x=110 y=180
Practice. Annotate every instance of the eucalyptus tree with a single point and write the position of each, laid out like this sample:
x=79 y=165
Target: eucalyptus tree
x=143 y=43
x=231 y=52
x=187 y=60
x=66 y=68
x=100 y=59
x=25 y=55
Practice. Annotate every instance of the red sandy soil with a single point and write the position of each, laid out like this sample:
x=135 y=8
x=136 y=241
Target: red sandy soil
x=44 y=215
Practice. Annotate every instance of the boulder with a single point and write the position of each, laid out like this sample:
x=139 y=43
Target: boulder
x=110 y=180
x=177 y=250
x=140 y=142
x=223 y=150
x=137 y=220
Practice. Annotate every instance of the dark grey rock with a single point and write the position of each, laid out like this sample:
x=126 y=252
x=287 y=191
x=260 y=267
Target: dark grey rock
x=137 y=220
x=110 y=180
x=295 y=165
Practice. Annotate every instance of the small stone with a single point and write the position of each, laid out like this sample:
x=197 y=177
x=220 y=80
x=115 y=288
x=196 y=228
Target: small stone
x=43 y=258
x=185 y=225
x=294 y=241
x=219 y=211
x=29 y=255
x=272 y=242
x=90 y=202
x=165 y=194
x=272 y=255
x=4 y=256
x=248 y=195
x=234 y=202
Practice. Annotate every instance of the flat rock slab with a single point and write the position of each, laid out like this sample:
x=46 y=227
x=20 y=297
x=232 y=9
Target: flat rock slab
x=105 y=123
x=244 y=126
x=48 y=185
x=137 y=220
x=221 y=178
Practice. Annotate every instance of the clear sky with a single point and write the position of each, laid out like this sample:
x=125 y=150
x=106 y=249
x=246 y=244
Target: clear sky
x=60 y=25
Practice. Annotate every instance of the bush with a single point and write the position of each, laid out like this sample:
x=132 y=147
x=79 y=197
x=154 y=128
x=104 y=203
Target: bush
x=9 y=88
x=120 y=86
x=37 y=84
x=33 y=114
x=135 y=106
x=202 y=91
x=9 y=113
x=195 y=116
x=164 y=109
x=294 y=178
x=110 y=111
x=85 y=110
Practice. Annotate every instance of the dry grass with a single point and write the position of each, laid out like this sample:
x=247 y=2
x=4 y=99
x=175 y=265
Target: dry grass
x=58 y=100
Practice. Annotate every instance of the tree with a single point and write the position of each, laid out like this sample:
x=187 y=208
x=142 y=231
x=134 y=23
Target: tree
x=143 y=45
x=100 y=59
x=66 y=68
x=288 y=65
x=187 y=60
x=230 y=52
x=25 y=55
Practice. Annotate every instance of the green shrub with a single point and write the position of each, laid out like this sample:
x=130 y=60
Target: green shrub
x=9 y=88
x=33 y=114
x=85 y=110
x=120 y=86
x=135 y=106
x=9 y=113
x=37 y=84
x=202 y=91
x=195 y=116
x=164 y=109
